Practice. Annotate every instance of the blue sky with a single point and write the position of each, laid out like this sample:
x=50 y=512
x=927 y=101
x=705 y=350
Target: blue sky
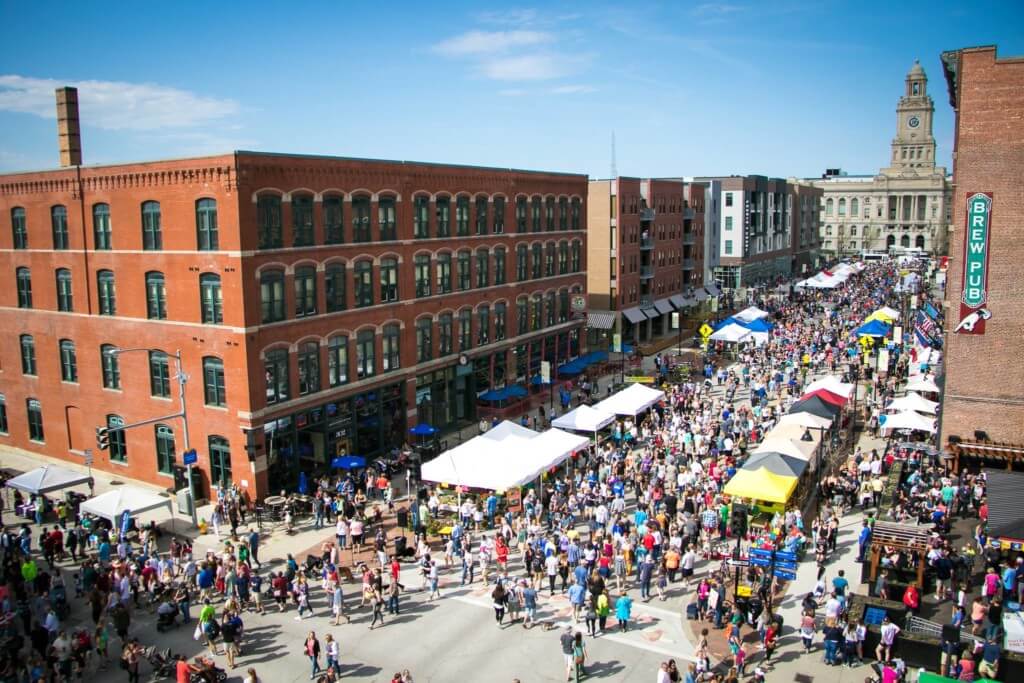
x=689 y=88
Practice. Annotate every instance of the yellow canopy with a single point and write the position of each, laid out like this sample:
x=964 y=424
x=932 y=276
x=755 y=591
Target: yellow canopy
x=760 y=484
x=880 y=315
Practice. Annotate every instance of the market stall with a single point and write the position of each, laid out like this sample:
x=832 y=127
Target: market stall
x=833 y=384
x=777 y=463
x=752 y=313
x=46 y=479
x=584 y=419
x=631 y=401
x=907 y=420
x=761 y=485
x=113 y=504
x=915 y=402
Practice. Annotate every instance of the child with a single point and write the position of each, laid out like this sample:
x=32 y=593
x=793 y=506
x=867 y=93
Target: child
x=741 y=659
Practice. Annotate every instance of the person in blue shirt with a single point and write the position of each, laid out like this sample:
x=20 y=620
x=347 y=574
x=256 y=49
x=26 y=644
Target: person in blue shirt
x=1010 y=582
x=492 y=508
x=840 y=584
x=863 y=540
x=577 y=596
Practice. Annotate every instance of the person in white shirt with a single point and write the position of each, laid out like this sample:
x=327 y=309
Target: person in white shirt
x=889 y=632
x=341 y=531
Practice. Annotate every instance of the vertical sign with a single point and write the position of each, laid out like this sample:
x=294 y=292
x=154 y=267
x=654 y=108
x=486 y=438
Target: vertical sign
x=617 y=343
x=545 y=371
x=973 y=310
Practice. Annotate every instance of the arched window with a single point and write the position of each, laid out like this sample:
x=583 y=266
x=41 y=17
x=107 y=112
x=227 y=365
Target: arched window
x=563 y=305
x=522 y=263
x=164 y=437
x=275 y=370
x=549 y=259
x=483 y=268
x=220 y=461
x=905 y=241
x=421 y=274
x=520 y=214
x=483 y=324
x=549 y=309
x=444 y=273
x=156 y=296
x=536 y=260
x=575 y=213
x=152 y=235
x=159 y=374
x=268 y=221
x=334 y=219
x=28 y=355
x=271 y=296
x=442 y=211
x=563 y=258
x=387 y=219
x=302 y=220
x=23 y=276
x=462 y=216
x=305 y=291
x=111 y=367
x=842 y=207
x=481 y=215
x=575 y=256
x=463 y=270
x=362 y=275
x=522 y=315
x=465 y=330
x=549 y=214
x=499 y=266
x=334 y=285
x=919 y=241
x=444 y=334
x=854 y=207
x=536 y=312
x=500 y=316
x=365 y=354
x=535 y=211
x=890 y=241
x=309 y=368
x=361 y=218
x=388 y=280
x=211 y=301
x=337 y=360
x=59 y=223
x=421 y=216
x=391 y=353
x=65 y=298
x=424 y=340
x=214 y=391
x=563 y=213
x=499 y=215
x=828 y=206
x=101 y=235
x=207 y=238
x=19 y=229
x=118 y=444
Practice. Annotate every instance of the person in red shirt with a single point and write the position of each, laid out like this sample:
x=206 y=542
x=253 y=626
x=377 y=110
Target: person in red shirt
x=183 y=670
x=911 y=599
x=396 y=568
x=983 y=510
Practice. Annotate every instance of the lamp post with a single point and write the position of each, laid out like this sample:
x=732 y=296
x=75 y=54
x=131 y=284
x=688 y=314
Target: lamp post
x=182 y=413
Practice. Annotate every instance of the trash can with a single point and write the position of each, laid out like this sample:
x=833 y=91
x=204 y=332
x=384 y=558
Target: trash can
x=184 y=501
x=399 y=546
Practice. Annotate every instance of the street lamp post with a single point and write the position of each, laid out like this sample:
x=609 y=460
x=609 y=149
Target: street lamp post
x=182 y=413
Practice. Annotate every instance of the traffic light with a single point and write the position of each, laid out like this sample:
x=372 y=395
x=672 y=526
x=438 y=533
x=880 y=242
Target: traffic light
x=102 y=438
x=738 y=520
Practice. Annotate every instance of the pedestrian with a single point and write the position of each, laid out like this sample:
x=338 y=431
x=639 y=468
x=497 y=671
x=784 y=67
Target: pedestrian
x=394 y=589
x=603 y=610
x=590 y=615
x=623 y=608
x=889 y=631
x=432 y=577
x=312 y=650
x=333 y=654
x=377 y=602
x=498 y=599
x=579 y=655
x=130 y=656
x=568 y=642
x=229 y=633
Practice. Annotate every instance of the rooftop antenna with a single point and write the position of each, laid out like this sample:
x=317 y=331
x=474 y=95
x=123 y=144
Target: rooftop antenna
x=615 y=172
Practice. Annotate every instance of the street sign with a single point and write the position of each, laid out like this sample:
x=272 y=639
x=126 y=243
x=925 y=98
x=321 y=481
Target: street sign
x=88 y=457
x=579 y=303
x=617 y=343
x=760 y=552
x=784 y=574
x=705 y=330
x=760 y=561
x=190 y=457
x=785 y=555
x=739 y=563
x=788 y=566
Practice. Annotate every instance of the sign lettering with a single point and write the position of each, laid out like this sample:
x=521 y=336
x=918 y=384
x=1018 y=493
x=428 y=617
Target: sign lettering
x=974 y=297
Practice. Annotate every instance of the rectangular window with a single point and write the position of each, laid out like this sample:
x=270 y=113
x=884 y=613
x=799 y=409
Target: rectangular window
x=24 y=286
x=118 y=444
x=35 y=420
x=213 y=382
x=101 y=227
x=728 y=198
x=3 y=414
x=159 y=375
x=164 y=449
x=462 y=216
x=275 y=369
x=728 y=222
x=59 y=223
x=19 y=229
x=302 y=220
x=334 y=283
x=220 y=461
x=386 y=219
x=728 y=247
x=334 y=219
x=365 y=361
x=337 y=361
x=421 y=217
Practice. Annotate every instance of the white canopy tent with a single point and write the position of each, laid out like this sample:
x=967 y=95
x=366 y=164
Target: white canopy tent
x=795 y=432
x=750 y=314
x=909 y=420
x=113 y=503
x=759 y=338
x=913 y=401
x=497 y=464
x=47 y=478
x=831 y=384
x=806 y=420
x=786 y=446
x=584 y=419
x=631 y=401
x=923 y=383
x=731 y=333
x=890 y=312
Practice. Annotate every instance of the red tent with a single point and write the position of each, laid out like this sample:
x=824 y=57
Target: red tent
x=826 y=395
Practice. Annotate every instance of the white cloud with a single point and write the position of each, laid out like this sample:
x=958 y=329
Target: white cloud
x=490 y=42
x=115 y=105
x=513 y=92
x=572 y=89
x=538 y=67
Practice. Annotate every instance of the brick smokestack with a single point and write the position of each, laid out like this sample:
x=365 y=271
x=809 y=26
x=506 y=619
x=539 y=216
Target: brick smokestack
x=69 y=136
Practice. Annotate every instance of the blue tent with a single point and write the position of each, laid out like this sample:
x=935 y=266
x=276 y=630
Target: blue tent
x=503 y=394
x=572 y=367
x=596 y=357
x=423 y=429
x=348 y=462
x=759 y=325
x=875 y=328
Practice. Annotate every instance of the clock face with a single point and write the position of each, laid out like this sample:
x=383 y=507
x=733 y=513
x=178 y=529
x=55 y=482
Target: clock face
x=913 y=122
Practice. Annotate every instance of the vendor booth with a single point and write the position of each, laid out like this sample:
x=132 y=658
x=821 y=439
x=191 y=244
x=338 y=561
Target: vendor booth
x=113 y=504
x=831 y=383
x=752 y=313
x=908 y=420
x=923 y=383
x=631 y=401
x=761 y=485
x=915 y=402
x=584 y=419
x=777 y=463
x=46 y=479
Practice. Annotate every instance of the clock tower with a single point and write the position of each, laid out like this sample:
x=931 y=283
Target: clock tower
x=914 y=147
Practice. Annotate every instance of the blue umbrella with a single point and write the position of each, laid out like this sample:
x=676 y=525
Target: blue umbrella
x=303 y=483
x=423 y=429
x=126 y=521
x=348 y=462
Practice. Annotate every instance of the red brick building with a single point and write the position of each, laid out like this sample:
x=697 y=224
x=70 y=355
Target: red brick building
x=984 y=384
x=321 y=305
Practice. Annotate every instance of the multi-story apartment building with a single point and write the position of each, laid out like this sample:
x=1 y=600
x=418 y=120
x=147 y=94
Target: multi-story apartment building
x=805 y=216
x=321 y=305
x=643 y=253
x=907 y=204
x=756 y=243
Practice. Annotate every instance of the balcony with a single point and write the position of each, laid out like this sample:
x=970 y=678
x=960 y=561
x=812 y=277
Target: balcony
x=688 y=264
x=646 y=242
x=646 y=215
x=689 y=238
x=646 y=272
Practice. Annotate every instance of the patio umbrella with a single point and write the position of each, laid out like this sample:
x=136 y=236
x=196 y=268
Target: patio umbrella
x=926 y=383
x=348 y=462
x=303 y=486
x=776 y=463
x=423 y=429
x=815 y=405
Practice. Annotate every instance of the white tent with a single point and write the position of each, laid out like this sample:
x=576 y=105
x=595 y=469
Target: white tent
x=47 y=478
x=795 y=432
x=632 y=400
x=908 y=419
x=750 y=314
x=805 y=420
x=503 y=463
x=786 y=446
x=890 y=312
x=584 y=419
x=913 y=401
x=831 y=384
x=923 y=383
x=111 y=504
x=758 y=338
x=731 y=333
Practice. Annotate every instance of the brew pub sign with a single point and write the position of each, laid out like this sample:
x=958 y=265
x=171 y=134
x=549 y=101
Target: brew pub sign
x=974 y=310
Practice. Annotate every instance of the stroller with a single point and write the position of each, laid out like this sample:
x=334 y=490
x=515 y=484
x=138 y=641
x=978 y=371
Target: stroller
x=162 y=661
x=166 y=620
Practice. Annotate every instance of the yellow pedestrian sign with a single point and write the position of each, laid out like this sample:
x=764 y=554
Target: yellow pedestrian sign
x=705 y=330
x=866 y=343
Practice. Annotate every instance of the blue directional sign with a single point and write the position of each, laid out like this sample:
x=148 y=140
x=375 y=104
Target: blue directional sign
x=785 y=555
x=784 y=574
x=759 y=552
x=189 y=457
x=788 y=566
x=759 y=561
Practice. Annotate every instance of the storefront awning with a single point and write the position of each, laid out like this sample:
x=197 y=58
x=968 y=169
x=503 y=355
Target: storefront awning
x=700 y=295
x=600 y=320
x=678 y=301
x=663 y=306
x=650 y=312
x=712 y=289
x=634 y=315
